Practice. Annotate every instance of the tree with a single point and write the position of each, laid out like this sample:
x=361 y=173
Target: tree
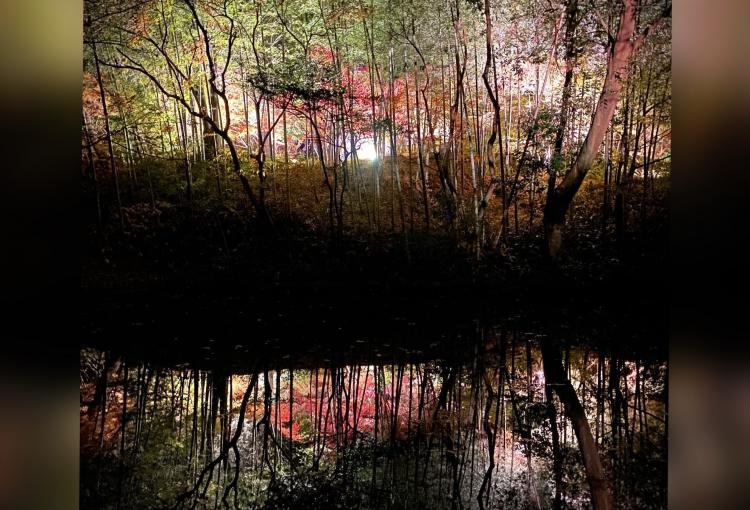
x=626 y=42
x=145 y=43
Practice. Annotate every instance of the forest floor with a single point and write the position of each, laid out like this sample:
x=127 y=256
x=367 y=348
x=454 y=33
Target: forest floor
x=208 y=244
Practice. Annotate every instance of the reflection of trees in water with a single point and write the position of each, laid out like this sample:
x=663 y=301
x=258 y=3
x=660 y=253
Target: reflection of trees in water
x=475 y=434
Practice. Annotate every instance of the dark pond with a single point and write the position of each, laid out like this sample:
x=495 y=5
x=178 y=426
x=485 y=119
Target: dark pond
x=412 y=400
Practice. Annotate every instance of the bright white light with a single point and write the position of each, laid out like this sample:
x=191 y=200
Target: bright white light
x=366 y=150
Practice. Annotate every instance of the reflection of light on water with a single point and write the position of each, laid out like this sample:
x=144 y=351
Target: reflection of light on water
x=366 y=150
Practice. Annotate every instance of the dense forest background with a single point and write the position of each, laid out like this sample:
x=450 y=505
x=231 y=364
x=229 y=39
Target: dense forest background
x=404 y=126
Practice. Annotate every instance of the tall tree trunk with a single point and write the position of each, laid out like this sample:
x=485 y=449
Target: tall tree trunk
x=570 y=27
x=92 y=170
x=496 y=128
x=559 y=200
x=111 y=153
x=420 y=153
x=208 y=140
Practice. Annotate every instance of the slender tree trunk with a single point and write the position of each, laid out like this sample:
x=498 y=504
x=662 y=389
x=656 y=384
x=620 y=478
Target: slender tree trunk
x=92 y=170
x=113 y=167
x=496 y=128
x=420 y=154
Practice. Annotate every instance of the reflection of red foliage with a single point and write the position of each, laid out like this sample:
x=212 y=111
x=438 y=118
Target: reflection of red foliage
x=307 y=405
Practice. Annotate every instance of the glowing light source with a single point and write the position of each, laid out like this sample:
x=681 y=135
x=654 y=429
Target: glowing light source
x=366 y=150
